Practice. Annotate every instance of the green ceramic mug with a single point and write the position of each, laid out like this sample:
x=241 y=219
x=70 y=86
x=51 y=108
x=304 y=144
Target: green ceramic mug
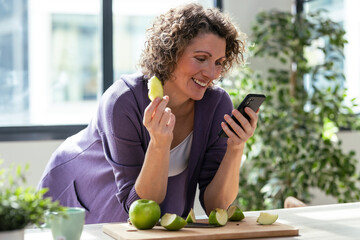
x=68 y=226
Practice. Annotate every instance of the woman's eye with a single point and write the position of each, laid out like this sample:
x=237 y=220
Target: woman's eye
x=219 y=63
x=200 y=59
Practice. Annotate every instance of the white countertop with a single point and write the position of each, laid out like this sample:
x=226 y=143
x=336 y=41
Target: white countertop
x=335 y=221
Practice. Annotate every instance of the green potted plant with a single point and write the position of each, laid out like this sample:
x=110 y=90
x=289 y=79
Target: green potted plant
x=21 y=206
x=295 y=148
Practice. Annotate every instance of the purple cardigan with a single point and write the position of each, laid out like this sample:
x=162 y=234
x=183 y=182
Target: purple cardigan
x=96 y=169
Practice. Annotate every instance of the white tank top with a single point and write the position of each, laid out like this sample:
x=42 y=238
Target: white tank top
x=179 y=156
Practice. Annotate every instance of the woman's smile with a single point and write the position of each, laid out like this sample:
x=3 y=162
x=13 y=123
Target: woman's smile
x=199 y=82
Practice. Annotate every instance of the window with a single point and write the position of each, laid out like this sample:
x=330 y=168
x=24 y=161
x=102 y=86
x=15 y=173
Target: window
x=51 y=51
x=50 y=61
x=346 y=13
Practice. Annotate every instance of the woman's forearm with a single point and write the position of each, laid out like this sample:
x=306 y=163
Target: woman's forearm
x=223 y=189
x=153 y=178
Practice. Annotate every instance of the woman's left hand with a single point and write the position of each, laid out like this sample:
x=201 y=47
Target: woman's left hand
x=242 y=133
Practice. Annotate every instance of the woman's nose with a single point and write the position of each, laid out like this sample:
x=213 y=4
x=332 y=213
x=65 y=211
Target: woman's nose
x=211 y=72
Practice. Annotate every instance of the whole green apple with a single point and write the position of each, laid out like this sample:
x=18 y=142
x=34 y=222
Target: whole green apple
x=144 y=214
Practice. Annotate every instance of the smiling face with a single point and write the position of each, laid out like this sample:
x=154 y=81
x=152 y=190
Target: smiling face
x=200 y=64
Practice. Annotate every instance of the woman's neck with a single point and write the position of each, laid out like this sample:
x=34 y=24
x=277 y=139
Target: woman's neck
x=178 y=103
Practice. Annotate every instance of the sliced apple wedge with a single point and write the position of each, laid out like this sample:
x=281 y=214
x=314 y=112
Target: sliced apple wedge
x=267 y=218
x=172 y=222
x=191 y=217
x=155 y=88
x=235 y=213
x=218 y=217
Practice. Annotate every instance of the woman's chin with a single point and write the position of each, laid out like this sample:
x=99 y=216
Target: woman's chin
x=197 y=97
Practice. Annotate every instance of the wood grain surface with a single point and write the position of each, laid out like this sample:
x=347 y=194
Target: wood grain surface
x=247 y=228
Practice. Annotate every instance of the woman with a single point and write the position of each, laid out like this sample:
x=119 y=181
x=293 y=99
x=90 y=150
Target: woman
x=160 y=150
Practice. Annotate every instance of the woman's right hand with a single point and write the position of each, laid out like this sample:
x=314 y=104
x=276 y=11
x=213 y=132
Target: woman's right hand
x=159 y=121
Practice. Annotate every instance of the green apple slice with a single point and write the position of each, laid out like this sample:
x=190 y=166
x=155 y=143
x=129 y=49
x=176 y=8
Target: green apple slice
x=155 y=88
x=267 y=218
x=191 y=217
x=235 y=213
x=172 y=222
x=218 y=217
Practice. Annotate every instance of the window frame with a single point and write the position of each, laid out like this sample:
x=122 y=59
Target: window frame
x=57 y=132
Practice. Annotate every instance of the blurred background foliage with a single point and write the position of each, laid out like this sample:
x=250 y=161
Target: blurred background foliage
x=295 y=147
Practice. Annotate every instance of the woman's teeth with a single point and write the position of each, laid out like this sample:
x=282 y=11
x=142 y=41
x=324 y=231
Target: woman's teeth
x=199 y=82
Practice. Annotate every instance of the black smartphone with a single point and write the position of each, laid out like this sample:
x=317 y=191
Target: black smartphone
x=252 y=101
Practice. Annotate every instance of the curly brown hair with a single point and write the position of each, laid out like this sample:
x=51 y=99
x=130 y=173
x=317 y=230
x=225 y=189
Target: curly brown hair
x=171 y=33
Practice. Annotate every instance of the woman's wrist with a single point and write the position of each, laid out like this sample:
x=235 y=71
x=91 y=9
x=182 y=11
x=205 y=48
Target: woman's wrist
x=236 y=147
x=160 y=145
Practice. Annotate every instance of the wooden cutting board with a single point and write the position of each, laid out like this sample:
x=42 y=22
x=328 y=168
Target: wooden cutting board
x=247 y=228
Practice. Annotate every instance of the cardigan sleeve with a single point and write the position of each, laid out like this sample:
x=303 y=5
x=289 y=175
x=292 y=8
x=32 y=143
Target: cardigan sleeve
x=216 y=146
x=123 y=138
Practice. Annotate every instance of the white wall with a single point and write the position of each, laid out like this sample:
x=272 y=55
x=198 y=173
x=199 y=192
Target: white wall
x=34 y=153
x=243 y=12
